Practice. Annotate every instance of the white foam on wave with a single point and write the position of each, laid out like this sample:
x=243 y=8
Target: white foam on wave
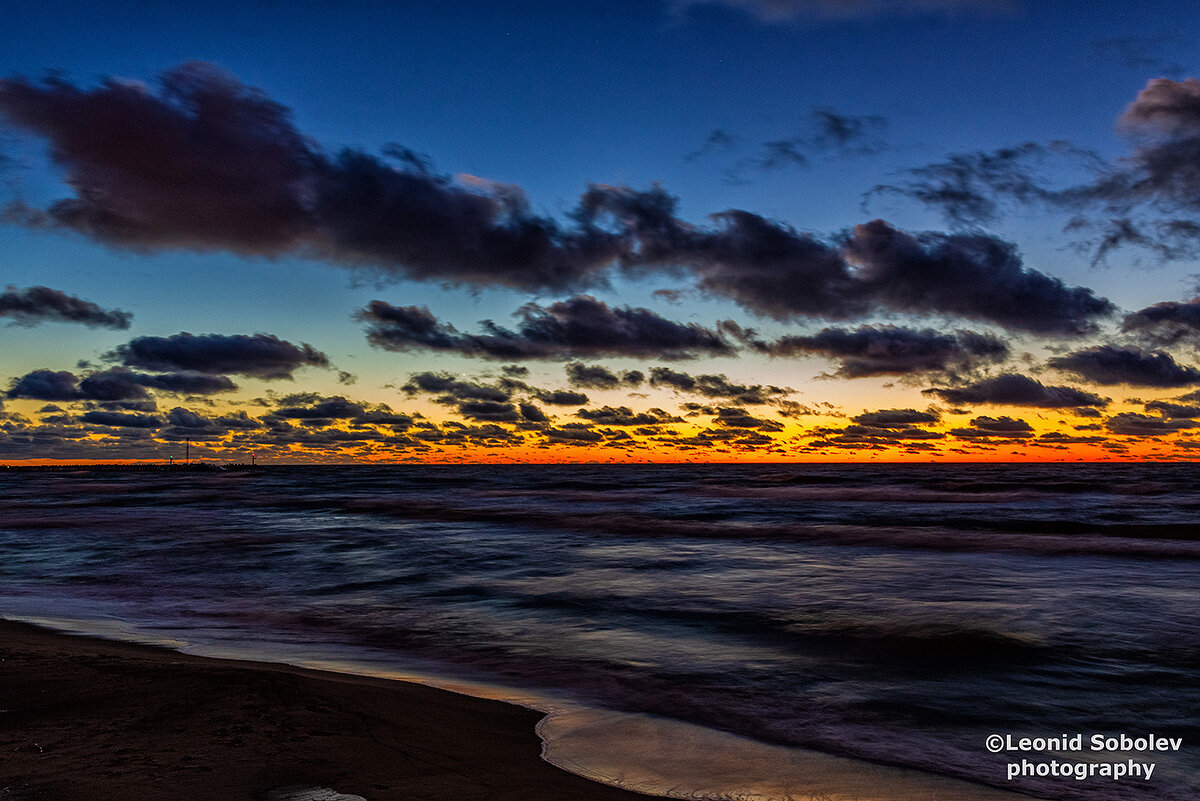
x=302 y=793
x=664 y=757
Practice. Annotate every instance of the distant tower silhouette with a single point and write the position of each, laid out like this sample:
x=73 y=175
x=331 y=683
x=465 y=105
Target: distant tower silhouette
x=187 y=451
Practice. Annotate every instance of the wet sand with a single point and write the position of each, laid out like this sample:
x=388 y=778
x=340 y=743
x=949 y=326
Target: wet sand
x=84 y=718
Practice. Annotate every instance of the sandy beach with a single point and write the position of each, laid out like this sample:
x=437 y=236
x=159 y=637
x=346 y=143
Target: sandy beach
x=90 y=719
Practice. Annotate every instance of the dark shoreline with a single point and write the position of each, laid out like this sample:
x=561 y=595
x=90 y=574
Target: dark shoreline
x=85 y=718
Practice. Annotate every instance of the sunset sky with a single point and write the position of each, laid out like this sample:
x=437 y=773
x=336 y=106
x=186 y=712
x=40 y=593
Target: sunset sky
x=666 y=230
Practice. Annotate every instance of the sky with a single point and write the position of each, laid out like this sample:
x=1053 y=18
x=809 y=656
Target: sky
x=665 y=230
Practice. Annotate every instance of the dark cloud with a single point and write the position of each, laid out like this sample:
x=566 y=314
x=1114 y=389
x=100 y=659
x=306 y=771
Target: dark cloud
x=574 y=435
x=1059 y=438
x=208 y=163
x=473 y=400
x=187 y=383
x=383 y=415
x=122 y=384
x=561 y=397
x=260 y=355
x=239 y=421
x=36 y=304
x=970 y=275
x=765 y=266
x=315 y=411
x=132 y=405
x=1153 y=198
x=533 y=414
x=505 y=401
x=419 y=225
x=881 y=429
x=185 y=424
x=328 y=409
x=122 y=420
x=1140 y=425
x=1165 y=323
x=777 y=272
x=490 y=412
x=794 y=409
x=991 y=428
x=1169 y=409
x=892 y=350
x=578 y=326
x=453 y=389
x=1011 y=389
x=113 y=385
x=737 y=417
x=778 y=10
x=47 y=385
x=715 y=386
x=1001 y=425
x=624 y=416
x=595 y=376
x=1106 y=364
x=895 y=418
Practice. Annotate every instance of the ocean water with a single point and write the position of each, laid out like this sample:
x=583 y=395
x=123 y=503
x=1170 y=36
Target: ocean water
x=898 y=614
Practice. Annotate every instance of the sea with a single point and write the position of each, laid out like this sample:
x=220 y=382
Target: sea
x=885 y=619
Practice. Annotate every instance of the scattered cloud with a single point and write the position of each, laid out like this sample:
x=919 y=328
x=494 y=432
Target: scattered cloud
x=1149 y=199
x=893 y=350
x=974 y=276
x=1165 y=323
x=260 y=355
x=975 y=188
x=579 y=326
x=1140 y=425
x=453 y=390
x=824 y=133
x=1106 y=364
x=715 y=386
x=37 y=304
x=881 y=429
x=208 y=163
x=995 y=428
x=1013 y=389
x=624 y=416
x=48 y=385
x=597 y=376
x=895 y=418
